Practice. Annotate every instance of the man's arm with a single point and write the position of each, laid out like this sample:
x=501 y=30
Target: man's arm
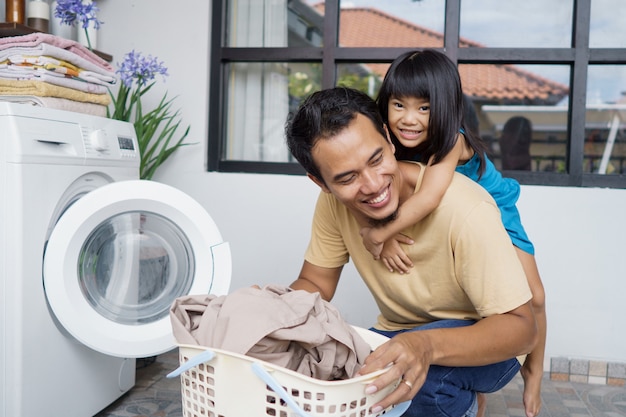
x=315 y=278
x=490 y=340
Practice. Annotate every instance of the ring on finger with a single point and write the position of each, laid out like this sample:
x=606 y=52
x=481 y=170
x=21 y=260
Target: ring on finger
x=408 y=384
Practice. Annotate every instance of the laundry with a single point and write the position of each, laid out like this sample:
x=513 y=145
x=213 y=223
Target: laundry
x=62 y=72
x=37 y=73
x=60 y=104
x=297 y=330
x=55 y=46
x=60 y=67
x=44 y=89
x=56 y=53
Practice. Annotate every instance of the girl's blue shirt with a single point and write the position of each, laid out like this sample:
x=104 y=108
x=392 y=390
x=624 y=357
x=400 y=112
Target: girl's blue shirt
x=505 y=191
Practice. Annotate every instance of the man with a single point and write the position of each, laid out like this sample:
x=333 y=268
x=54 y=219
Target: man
x=466 y=294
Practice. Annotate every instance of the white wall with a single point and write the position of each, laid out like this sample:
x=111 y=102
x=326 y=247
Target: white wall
x=578 y=232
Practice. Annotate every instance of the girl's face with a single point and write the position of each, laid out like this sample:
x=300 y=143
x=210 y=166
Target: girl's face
x=408 y=120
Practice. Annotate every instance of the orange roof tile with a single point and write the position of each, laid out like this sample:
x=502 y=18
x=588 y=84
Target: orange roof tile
x=488 y=82
x=357 y=25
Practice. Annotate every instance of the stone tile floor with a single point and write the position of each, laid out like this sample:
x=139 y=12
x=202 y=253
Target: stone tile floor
x=154 y=395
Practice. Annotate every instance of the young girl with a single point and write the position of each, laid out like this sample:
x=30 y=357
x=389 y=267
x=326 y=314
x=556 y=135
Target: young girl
x=421 y=101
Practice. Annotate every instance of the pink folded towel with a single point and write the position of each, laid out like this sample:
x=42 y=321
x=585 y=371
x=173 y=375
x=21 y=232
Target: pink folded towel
x=37 y=39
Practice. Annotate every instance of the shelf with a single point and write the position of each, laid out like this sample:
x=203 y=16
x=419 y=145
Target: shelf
x=17 y=29
x=14 y=29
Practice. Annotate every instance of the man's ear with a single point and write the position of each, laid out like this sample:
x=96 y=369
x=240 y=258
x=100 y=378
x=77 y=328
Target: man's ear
x=319 y=182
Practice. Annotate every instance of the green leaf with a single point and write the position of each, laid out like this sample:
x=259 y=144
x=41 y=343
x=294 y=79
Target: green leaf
x=157 y=130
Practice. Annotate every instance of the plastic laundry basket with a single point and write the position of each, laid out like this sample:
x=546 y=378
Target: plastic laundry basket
x=217 y=383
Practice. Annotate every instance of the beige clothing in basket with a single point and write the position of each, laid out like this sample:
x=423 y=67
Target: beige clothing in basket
x=297 y=330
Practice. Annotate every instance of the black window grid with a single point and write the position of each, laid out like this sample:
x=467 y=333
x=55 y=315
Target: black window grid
x=578 y=57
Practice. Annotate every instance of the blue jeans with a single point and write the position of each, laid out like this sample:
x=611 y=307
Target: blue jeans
x=451 y=392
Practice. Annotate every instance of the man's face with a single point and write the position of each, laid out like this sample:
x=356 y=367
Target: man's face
x=359 y=168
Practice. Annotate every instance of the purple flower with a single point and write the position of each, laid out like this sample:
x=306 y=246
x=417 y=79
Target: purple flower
x=74 y=12
x=138 y=67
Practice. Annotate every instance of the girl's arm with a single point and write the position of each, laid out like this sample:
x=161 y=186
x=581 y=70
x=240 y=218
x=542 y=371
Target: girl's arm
x=436 y=180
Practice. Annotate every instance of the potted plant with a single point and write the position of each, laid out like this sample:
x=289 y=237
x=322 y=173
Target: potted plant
x=156 y=129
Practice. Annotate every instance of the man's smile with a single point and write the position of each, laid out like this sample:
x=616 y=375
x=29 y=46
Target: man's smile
x=380 y=198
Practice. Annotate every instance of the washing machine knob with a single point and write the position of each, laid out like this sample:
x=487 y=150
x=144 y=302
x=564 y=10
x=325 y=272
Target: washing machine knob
x=98 y=140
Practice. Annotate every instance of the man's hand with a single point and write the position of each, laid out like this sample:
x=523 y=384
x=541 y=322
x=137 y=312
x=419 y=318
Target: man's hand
x=408 y=356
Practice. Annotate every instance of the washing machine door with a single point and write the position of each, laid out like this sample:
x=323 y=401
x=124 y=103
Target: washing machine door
x=119 y=256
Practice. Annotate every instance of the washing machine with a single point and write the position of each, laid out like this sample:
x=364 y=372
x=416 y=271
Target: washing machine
x=91 y=259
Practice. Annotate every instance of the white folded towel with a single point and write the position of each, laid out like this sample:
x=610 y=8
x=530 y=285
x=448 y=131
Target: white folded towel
x=44 y=49
x=59 y=103
x=16 y=72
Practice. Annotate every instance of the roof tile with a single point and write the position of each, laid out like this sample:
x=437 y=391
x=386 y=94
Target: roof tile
x=505 y=84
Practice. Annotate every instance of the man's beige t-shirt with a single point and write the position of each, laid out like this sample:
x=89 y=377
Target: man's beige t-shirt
x=465 y=266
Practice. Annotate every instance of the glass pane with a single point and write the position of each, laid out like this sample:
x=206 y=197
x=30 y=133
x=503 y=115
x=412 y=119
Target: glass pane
x=134 y=265
x=272 y=23
x=522 y=111
x=363 y=77
x=398 y=23
x=259 y=99
x=607 y=24
x=525 y=24
x=605 y=122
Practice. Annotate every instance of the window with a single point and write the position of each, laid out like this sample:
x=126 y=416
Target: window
x=550 y=74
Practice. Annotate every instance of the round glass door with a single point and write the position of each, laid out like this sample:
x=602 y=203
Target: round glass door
x=119 y=256
x=133 y=264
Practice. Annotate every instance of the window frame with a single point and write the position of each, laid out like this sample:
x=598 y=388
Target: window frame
x=579 y=56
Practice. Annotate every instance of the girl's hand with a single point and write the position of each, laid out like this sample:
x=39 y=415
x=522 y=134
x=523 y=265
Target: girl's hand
x=394 y=257
x=374 y=247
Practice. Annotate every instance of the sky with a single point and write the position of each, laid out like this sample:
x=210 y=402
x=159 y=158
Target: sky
x=527 y=23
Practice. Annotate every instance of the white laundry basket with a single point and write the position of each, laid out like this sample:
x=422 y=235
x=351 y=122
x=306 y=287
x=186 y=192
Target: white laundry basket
x=217 y=383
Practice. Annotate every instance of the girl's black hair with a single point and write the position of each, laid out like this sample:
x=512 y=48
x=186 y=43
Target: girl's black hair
x=430 y=75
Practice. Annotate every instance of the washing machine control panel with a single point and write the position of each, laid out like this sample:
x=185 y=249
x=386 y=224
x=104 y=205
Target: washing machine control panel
x=106 y=141
x=99 y=141
x=42 y=134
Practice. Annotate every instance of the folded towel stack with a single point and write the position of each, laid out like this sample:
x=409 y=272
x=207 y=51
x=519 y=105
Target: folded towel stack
x=49 y=71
